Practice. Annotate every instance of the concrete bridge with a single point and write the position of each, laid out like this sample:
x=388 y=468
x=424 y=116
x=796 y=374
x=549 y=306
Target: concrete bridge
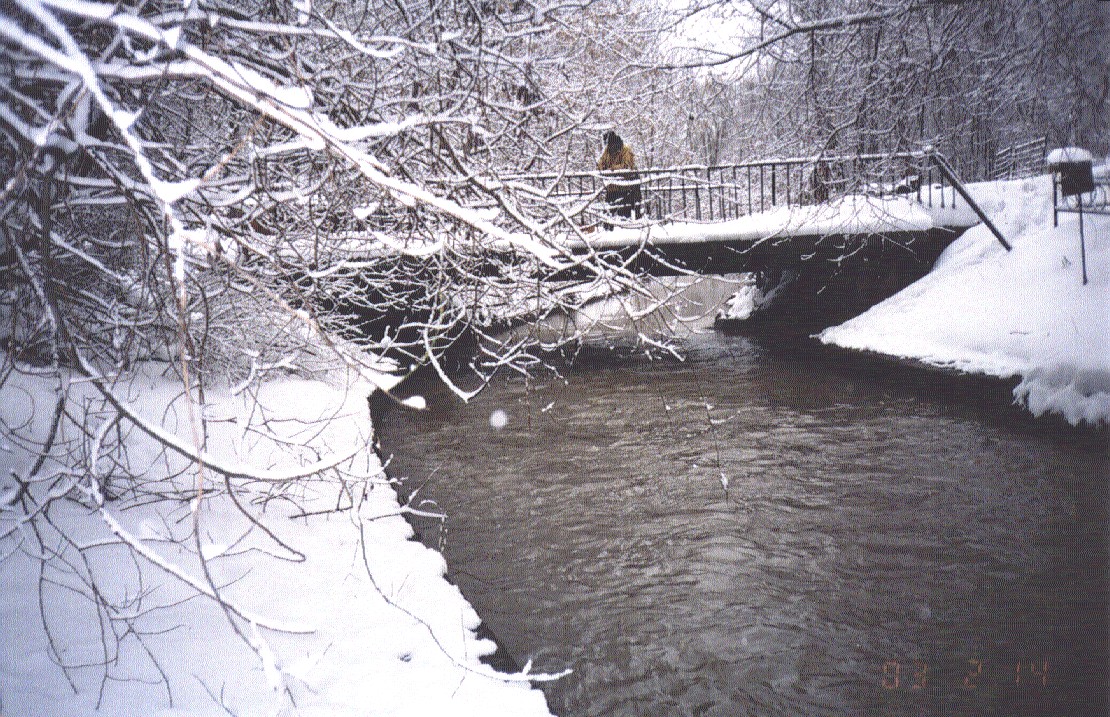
x=799 y=213
x=840 y=232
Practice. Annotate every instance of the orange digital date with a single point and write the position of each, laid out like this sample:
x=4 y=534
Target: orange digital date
x=917 y=674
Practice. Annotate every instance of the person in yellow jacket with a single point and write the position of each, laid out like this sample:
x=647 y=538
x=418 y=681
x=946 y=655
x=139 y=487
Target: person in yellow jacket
x=624 y=197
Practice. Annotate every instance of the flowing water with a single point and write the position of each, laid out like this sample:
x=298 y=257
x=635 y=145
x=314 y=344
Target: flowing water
x=879 y=549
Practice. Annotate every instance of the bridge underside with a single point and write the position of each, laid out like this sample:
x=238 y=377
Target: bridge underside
x=821 y=253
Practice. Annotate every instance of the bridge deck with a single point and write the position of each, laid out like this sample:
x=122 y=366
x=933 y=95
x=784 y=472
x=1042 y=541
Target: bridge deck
x=784 y=237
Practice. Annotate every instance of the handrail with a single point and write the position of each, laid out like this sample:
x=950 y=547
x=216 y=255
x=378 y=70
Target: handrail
x=950 y=173
x=754 y=164
x=720 y=192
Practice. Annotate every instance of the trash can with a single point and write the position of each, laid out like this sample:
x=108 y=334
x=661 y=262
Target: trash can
x=1074 y=167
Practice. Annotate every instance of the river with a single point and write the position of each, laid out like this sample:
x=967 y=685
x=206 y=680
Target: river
x=880 y=548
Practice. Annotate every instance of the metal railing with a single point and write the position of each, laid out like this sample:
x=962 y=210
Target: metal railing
x=719 y=193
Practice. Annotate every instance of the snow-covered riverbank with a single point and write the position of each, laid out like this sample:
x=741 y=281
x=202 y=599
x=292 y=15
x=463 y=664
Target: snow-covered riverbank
x=338 y=611
x=1024 y=313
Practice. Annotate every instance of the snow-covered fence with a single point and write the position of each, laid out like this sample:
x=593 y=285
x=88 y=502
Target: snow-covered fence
x=1020 y=160
x=719 y=193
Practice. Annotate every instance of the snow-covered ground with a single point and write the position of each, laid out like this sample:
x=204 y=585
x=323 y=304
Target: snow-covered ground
x=1024 y=313
x=340 y=613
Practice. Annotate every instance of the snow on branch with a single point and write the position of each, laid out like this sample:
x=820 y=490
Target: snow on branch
x=285 y=105
x=791 y=29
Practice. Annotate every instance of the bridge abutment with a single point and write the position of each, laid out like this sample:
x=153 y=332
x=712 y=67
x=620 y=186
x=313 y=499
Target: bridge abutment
x=818 y=294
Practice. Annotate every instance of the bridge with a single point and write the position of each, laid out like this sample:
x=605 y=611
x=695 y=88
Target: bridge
x=754 y=216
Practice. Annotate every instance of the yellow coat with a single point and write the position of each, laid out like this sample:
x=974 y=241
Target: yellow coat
x=624 y=199
x=622 y=160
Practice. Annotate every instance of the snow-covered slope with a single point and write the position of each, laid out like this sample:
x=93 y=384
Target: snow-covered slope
x=1023 y=313
x=346 y=614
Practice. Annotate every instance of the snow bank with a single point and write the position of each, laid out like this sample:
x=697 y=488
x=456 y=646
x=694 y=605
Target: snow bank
x=348 y=616
x=1022 y=314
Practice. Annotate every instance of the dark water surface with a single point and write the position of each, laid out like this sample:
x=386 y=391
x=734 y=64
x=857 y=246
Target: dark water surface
x=878 y=551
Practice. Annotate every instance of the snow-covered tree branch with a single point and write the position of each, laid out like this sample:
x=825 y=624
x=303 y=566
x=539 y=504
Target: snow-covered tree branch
x=202 y=197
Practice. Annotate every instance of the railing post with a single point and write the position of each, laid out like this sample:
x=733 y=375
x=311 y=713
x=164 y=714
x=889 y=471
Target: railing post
x=774 y=188
x=685 y=200
x=697 y=199
x=1055 y=213
x=723 y=194
x=943 y=177
x=735 y=195
x=762 y=197
x=749 y=189
x=709 y=192
x=1082 y=241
